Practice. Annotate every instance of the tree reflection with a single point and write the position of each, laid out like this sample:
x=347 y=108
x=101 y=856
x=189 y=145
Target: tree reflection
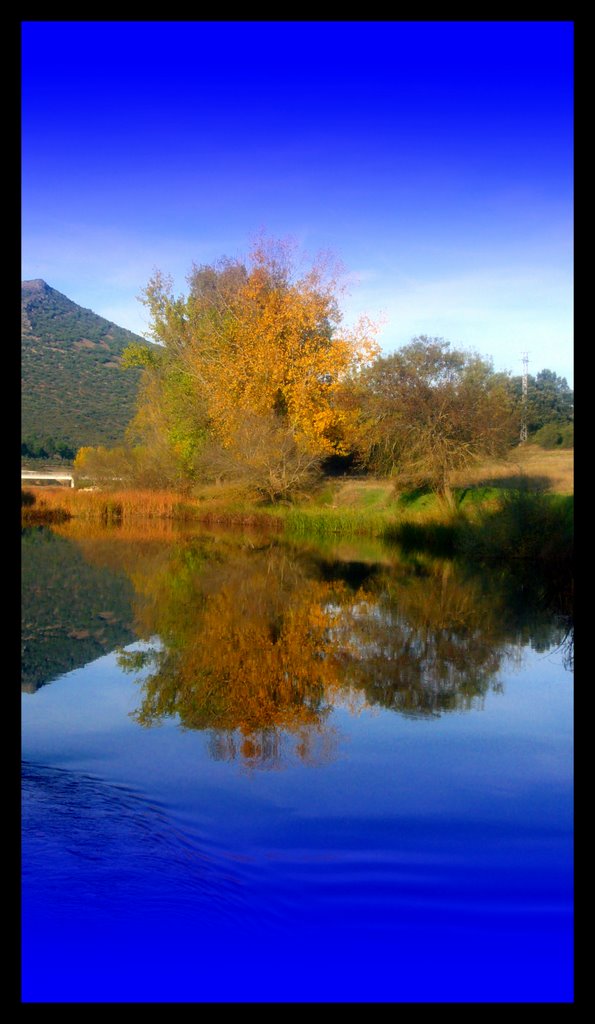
x=314 y=744
x=246 y=650
x=431 y=636
x=259 y=639
x=426 y=643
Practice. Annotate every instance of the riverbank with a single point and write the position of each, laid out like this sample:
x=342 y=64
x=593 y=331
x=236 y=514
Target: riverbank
x=350 y=504
x=500 y=513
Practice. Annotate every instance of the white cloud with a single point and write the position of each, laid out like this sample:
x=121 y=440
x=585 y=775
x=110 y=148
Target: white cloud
x=498 y=312
x=105 y=269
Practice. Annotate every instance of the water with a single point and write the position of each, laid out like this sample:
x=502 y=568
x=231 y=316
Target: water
x=276 y=772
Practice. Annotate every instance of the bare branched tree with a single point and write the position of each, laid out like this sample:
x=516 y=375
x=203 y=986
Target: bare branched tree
x=428 y=411
x=264 y=456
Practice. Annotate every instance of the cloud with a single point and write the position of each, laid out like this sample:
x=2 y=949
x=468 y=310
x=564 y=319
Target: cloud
x=499 y=312
x=105 y=269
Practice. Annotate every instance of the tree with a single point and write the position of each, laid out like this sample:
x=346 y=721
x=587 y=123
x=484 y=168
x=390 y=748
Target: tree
x=110 y=467
x=252 y=341
x=263 y=457
x=549 y=399
x=170 y=427
x=427 y=411
x=554 y=435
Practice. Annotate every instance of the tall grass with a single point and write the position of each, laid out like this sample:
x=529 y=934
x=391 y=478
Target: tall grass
x=344 y=521
x=109 y=505
x=54 y=504
x=34 y=514
x=526 y=526
x=520 y=525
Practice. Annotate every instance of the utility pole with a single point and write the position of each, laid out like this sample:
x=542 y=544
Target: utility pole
x=525 y=387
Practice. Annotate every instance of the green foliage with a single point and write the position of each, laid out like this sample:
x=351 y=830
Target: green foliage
x=34 y=447
x=140 y=356
x=555 y=435
x=105 y=466
x=427 y=411
x=523 y=525
x=73 y=390
x=167 y=434
x=549 y=400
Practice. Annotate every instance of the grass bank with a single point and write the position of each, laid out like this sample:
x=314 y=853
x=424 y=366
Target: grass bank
x=501 y=510
x=518 y=525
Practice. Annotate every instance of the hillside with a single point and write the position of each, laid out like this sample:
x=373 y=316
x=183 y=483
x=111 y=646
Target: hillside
x=73 y=390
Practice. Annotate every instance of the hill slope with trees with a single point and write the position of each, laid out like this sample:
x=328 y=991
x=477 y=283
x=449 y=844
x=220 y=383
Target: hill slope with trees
x=74 y=391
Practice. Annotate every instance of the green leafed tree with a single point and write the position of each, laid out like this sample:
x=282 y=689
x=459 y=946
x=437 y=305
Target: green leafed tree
x=549 y=400
x=427 y=411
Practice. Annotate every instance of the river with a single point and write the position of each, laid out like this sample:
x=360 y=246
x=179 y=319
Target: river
x=264 y=770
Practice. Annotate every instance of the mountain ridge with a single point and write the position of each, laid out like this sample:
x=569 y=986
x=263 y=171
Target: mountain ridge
x=74 y=392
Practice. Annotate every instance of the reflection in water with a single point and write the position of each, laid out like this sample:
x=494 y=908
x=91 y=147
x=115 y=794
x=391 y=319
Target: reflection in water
x=73 y=611
x=246 y=647
x=428 y=645
x=258 y=639
x=152 y=873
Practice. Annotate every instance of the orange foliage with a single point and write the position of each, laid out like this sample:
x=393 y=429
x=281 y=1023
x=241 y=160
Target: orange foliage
x=268 y=345
x=250 y=648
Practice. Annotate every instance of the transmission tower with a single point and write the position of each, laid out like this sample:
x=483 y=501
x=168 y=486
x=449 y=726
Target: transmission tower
x=525 y=388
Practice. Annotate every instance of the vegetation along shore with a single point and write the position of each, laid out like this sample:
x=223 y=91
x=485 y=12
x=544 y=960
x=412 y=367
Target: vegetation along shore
x=256 y=406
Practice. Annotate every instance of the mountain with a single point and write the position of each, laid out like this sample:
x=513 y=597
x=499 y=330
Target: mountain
x=73 y=390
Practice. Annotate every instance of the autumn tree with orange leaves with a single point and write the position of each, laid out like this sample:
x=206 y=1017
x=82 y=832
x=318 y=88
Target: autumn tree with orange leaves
x=244 y=384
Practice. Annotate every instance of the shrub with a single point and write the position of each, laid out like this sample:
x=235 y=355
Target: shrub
x=555 y=435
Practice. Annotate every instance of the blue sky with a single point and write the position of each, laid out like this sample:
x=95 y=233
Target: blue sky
x=435 y=159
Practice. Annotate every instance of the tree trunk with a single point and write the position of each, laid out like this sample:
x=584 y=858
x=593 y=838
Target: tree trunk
x=446 y=496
